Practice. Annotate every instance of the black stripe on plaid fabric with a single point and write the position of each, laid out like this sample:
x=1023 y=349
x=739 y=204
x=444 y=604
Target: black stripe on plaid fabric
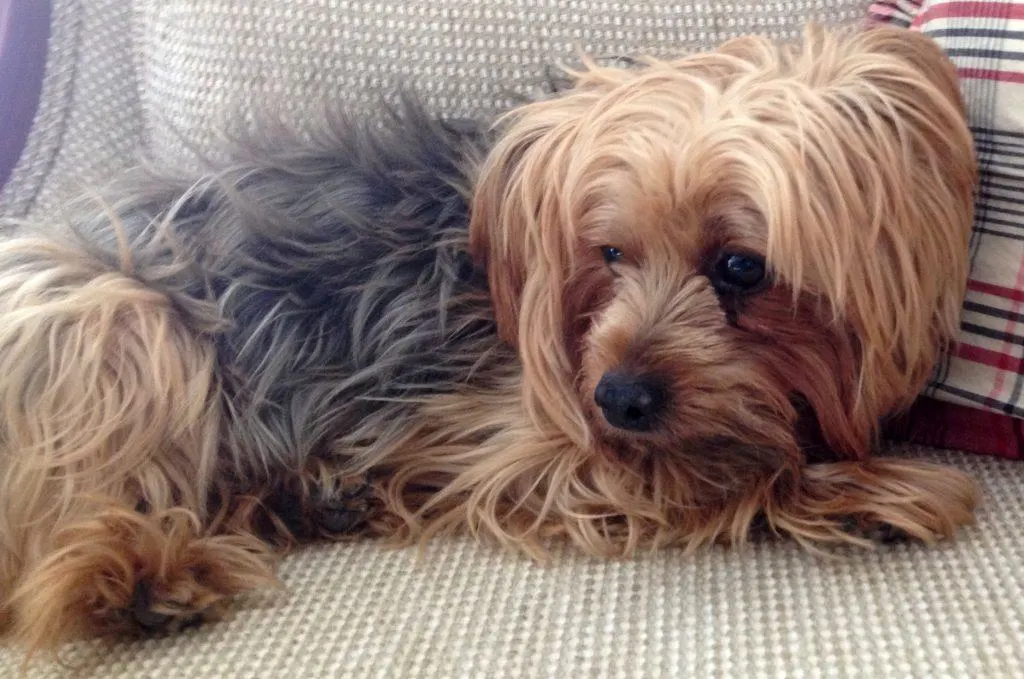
x=984 y=132
x=993 y=187
x=1012 y=220
x=996 y=132
x=995 y=312
x=963 y=32
x=1006 y=210
x=1008 y=223
x=977 y=52
x=999 y=335
x=1008 y=166
x=1001 y=234
x=990 y=149
x=1003 y=168
x=1012 y=166
x=1004 y=181
x=985 y=401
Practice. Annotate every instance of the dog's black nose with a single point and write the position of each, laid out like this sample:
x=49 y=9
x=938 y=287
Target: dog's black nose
x=629 y=402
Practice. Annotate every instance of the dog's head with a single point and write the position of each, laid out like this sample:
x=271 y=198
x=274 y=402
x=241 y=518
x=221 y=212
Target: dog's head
x=707 y=262
x=690 y=254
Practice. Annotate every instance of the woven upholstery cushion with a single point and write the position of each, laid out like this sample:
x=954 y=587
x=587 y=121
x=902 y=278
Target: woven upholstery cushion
x=465 y=57
x=89 y=121
x=166 y=74
x=123 y=76
x=24 y=34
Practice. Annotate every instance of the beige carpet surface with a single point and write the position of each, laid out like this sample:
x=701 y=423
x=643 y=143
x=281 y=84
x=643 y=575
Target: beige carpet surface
x=472 y=611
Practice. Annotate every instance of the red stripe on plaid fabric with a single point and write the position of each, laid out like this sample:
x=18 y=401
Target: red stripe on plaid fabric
x=950 y=425
x=883 y=10
x=996 y=290
x=1009 y=329
x=990 y=74
x=971 y=10
x=996 y=359
x=893 y=11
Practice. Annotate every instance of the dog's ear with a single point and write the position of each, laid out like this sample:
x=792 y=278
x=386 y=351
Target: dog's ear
x=523 y=229
x=933 y=153
x=893 y=262
x=517 y=230
x=497 y=238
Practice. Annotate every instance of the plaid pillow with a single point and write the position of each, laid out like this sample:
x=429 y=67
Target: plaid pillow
x=976 y=398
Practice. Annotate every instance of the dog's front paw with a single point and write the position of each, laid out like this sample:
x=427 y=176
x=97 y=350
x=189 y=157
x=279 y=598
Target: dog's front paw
x=162 y=616
x=881 y=501
x=322 y=503
x=183 y=578
x=878 y=532
x=342 y=509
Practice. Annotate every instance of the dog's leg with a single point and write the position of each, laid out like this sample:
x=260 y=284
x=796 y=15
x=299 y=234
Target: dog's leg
x=322 y=501
x=109 y=430
x=118 y=571
x=874 y=500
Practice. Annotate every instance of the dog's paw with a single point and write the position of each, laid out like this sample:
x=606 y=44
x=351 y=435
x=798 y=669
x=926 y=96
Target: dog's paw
x=164 y=616
x=189 y=578
x=877 y=532
x=881 y=501
x=121 y=572
x=342 y=510
x=321 y=504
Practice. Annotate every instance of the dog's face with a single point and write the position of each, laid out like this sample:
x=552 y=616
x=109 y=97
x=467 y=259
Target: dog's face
x=711 y=264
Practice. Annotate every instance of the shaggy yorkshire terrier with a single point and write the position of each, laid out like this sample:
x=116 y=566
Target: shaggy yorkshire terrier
x=682 y=285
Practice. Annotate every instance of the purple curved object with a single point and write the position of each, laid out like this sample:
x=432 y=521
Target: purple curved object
x=24 y=34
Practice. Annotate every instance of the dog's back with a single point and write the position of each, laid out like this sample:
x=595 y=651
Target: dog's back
x=343 y=274
x=272 y=322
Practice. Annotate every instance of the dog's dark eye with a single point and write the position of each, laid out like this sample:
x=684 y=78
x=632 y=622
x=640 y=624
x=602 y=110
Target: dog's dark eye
x=611 y=254
x=739 y=272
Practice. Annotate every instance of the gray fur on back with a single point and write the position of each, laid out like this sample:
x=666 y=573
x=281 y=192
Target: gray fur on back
x=330 y=268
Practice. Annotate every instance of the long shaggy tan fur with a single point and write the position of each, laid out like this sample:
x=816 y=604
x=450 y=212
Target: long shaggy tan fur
x=298 y=345
x=197 y=369
x=847 y=164
x=122 y=414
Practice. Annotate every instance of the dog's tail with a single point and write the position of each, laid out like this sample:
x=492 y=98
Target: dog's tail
x=107 y=395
